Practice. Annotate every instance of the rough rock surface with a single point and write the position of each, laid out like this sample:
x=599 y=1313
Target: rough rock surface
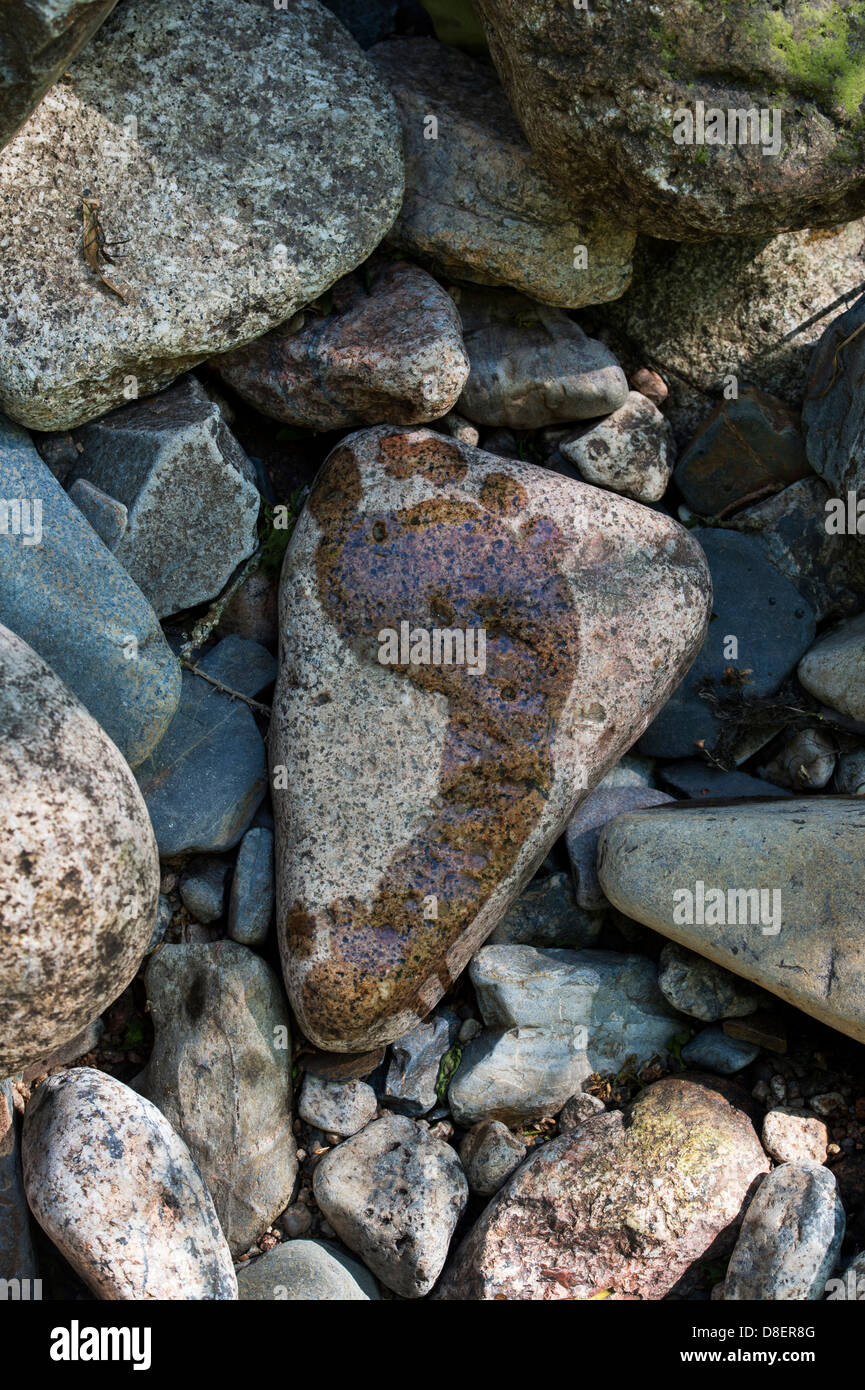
x=532 y=365
x=65 y=594
x=391 y=350
x=415 y=1059
x=790 y=1237
x=233 y=223
x=790 y=1136
x=38 y=42
x=630 y=451
x=117 y=1191
x=407 y=527
x=490 y=1154
x=336 y=1107
x=833 y=416
x=305 y=1271
x=546 y=914
x=808 y=850
x=626 y=1203
x=552 y=1019
x=220 y=1072
x=394 y=1195
x=803 y=67
x=701 y=989
x=834 y=669
x=747 y=448
x=188 y=489
x=478 y=205
x=79 y=873
x=17 y=1256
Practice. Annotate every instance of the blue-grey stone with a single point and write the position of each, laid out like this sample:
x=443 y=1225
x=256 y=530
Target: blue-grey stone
x=410 y=1087
x=202 y=888
x=834 y=409
x=713 y=1050
x=772 y=623
x=65 y=594
x=17 y=1256
x=208 y=776
x=368 y=21
x=164 y=914
x=701 y=781
x=546 y=914
x=252 y=892
x=242 y=664
x=108 y=517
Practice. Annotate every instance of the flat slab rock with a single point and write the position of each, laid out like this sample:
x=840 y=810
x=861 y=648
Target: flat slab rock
x=251 y=157
x=808 y=850
x=478 y=205
x=624 y=1204
x=592 y=608
x=116 y=1190
x=832 y=414
x=79 y=872
x=559 y=67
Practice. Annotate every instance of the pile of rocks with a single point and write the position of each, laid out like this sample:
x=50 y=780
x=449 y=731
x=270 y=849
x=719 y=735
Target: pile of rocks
x=432 y=673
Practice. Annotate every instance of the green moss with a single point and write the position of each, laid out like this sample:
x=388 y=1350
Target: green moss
x=823 y=52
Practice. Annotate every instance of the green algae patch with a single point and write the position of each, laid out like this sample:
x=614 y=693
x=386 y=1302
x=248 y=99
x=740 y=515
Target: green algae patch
x=824 y=52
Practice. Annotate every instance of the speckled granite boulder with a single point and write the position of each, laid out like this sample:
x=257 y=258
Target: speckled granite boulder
x=803 y=858
x=588 y=609
x=478 y=206
x=305 y=1271
x=391 y=349
x=38 y=41
x=117 y=1191
x=220 y=1072
x=631 y=155
x=63 y=592
x=790 y=1237
x=250 y=156
x=625 y=1204
x=79 y=873
x=630 y=451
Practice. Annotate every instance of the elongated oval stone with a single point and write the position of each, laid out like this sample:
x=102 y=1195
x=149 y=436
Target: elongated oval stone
x=416 y=791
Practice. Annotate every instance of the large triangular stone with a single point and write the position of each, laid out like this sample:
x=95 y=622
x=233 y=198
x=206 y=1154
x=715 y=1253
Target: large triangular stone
x=413 y=801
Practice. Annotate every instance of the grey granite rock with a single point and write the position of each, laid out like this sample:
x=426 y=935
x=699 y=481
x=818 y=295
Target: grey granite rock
x=305 y=1271
x=38 y=41
x=701 y=989
x=63 y=592
x=117 y=1191
x=220 y=1072
x=834 y=669
x=250 y=156
x=790 y=1237
x=188 y=489
x=79 y=873
x=546 y=914
x=336 y=1107
x=394 y=1195
x=489 y=1154
x=250 y=909
x=478 y=206
x=629 y=451
x=532 y=365
x=108 y=517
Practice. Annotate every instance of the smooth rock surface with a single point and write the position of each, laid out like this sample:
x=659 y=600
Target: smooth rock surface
x=701 y=989
x=250 y=909
x=805 y=63
x=478 y=205
x=489 y=1154
x=699 y=780
x=748 y=447
x=394 y=1195
x=390 y=349
x=626 y=1203
x=336 y=1107
x=630 y=451
x=305 y=1271
x=202 y=888
x=188 y=489
x=409 y=526
x=790 y=1237
x=220 y=1072
x=772 y=625
x=532 y=365
x=713 y=1050
x=38 y=41
x=207 y=778
x=834 y=669
x=807 y=849
x=250 y=156
x=63 y=592
x=79 y=873
x=117 y=1191
x=581 y=836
